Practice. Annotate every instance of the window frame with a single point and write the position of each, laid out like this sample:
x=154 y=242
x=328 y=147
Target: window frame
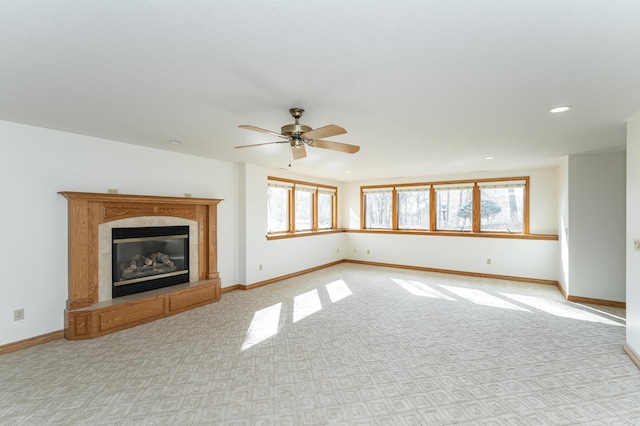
x=316 y=189
x=332 y=191
x=505 y=185
x=415 y=188
x=380 y=190
x=433 y=214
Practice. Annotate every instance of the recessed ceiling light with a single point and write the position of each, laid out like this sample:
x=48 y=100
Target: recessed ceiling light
x=347 y=171
x=489 y=157
x=560 y=109
x=175 y=142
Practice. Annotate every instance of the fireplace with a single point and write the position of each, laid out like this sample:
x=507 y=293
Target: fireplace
x=148 y=258
x=92 y=311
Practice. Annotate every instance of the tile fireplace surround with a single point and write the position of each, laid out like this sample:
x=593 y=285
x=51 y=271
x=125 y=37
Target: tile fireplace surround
x=90 y=311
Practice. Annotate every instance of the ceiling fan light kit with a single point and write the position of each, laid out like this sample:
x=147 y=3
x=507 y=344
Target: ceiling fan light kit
x=298 y=135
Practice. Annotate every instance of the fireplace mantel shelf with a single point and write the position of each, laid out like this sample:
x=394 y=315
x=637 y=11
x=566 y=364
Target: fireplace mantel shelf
x=85 y=316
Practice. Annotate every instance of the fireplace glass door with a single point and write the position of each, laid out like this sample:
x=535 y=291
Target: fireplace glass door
x=148 y=258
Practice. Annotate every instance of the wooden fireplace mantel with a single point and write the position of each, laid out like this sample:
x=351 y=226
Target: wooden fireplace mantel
x=85 y=317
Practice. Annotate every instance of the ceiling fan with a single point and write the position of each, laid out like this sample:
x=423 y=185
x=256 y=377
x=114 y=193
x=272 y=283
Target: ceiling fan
x=298 y=135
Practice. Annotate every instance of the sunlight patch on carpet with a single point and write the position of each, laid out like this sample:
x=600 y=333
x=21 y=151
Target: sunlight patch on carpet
x=420 y=289
x=338 y=290
x=264 y=325
x=306 y=304
x=560 y=309
x=483 y=298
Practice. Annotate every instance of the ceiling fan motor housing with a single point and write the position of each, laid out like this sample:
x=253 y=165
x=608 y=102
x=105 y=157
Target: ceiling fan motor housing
x=295 y=129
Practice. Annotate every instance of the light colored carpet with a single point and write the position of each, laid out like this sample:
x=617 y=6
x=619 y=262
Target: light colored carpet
x=350 y=344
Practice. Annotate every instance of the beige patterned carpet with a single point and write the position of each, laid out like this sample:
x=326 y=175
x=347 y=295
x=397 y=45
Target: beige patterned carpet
x=349 y=344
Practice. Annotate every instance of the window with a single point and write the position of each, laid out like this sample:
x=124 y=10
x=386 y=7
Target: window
x=304 y=207
x=413 y=207
x=502 y=206
x=483 y=205
x=294 y=206
x=454 y=208
x=325 y=208
x=378 y=206
x=278 y=206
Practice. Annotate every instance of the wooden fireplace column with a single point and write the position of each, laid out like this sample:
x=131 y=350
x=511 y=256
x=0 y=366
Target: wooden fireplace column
x=85 y=317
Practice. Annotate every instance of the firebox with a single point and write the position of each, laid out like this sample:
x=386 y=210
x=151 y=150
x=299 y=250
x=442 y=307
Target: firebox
x=147 y=258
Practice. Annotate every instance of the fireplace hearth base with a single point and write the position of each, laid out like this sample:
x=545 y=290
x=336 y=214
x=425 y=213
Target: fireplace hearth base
x=136 y=309
x=85 y=316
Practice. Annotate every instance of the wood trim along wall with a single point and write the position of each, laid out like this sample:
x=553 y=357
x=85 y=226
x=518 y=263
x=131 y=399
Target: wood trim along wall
x=542 y=237
x=32 y=341
x=231 y=288
x=635 y=358
x=295 y=274
x=590 y=301
x=561 y=289
x=276 y=279
x=545 y=237
x=452 y=272
x=302 y=234
x=575 y=299
x=599 y=302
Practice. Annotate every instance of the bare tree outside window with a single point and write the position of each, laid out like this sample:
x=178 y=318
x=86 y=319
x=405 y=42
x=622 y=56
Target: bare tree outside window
x=413 y=209
x=304 y=210
x=277 y=209
x=325 y=210
x=378 y=209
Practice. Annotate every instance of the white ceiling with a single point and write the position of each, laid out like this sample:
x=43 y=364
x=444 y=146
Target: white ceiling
x=424 y=87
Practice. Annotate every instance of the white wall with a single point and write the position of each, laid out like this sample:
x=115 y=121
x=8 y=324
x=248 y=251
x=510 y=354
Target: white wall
x=633 y=233
x=37 y=163
x=509 y=257
x=597 y=232
x=285 y=256
x=536 y=259
x=563 y=223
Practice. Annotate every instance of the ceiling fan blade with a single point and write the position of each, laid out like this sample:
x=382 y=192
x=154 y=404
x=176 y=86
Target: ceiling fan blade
x=259 y=144
x=336 y=146
x=324 y=132
x=259 y=129
x=298 y=152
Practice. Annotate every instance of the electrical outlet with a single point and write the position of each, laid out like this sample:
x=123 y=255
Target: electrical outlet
x=368 y=251
x=18 y=315
x=337 y=250
x=112 y=190
x=354 y=250
x=187 y=195
x=488 y=261
x=260 y=267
